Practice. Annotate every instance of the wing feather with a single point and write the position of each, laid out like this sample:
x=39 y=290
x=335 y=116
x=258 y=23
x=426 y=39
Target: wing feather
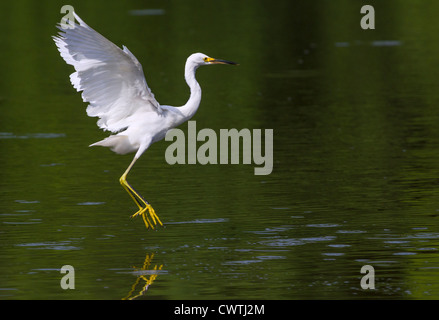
x=111 y=79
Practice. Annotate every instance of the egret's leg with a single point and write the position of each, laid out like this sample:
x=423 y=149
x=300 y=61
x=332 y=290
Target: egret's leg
x=141 y=203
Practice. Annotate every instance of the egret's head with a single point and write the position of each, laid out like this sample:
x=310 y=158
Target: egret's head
x=201 y=59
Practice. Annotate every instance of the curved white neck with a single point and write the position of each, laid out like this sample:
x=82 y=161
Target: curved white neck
x=191 y=106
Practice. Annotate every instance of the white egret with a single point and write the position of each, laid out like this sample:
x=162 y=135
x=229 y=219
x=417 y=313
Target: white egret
x=112 y=81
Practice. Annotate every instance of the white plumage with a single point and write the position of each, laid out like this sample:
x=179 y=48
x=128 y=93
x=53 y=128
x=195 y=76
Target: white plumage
x=113 y=83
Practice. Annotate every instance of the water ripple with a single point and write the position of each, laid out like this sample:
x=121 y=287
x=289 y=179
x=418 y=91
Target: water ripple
x=199 y=221
x=295 y=241
x=61 y=245
x=10 y=135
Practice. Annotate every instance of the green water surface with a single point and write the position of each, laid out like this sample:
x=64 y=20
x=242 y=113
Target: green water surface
x=355 y=178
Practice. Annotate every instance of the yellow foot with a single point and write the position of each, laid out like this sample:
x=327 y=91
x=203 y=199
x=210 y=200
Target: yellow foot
x=152 y=219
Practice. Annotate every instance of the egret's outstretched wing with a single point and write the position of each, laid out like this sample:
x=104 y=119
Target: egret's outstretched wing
x=111 y=79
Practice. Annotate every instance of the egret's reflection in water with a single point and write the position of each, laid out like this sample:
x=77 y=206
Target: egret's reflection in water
x=145 y=277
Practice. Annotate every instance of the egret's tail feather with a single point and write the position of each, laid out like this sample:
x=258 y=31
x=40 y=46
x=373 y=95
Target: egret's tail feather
x=117 y=143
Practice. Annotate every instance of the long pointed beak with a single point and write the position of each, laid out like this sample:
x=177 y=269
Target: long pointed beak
x=219 y=61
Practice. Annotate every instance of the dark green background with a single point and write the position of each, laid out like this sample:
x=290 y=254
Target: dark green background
x=355 y=115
